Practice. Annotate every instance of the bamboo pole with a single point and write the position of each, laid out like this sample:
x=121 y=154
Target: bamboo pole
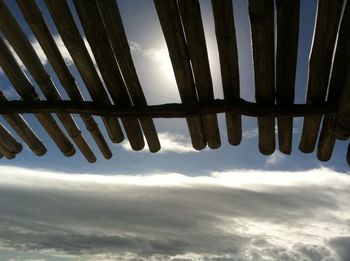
x=327 y=22
x=114 y=25
x=261 y=14
x=342 y=124
x=286 y=62
x=71 y=37
x=21 y=127
x=91 y=19
x=173 y=110
x=337 y=82
x=170 y=22
x=26 y=90
x=227 y=46
x=27 y=54
x=9 y=142
x=34 y=18
x=194 y=32
x=7 y=153
x=348 y=155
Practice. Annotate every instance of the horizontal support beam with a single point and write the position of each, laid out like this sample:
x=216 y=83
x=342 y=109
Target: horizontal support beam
x=173 y=110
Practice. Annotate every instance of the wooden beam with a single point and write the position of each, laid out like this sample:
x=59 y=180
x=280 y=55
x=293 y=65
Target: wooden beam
x=261 y=14
x=119 y=42
x=72 y=39
x=325 y=33
x=173 y=110
x=286 y=62
x=20 y=43
x=227 y=46
x=34 y=18
x=11 y=145
x=195 y=38
x=91 y=19
x=340 y=69
x=27 y=92
x=170 y=22
x=21 y=127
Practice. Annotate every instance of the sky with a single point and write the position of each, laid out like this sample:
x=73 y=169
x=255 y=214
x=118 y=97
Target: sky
x=231 y=203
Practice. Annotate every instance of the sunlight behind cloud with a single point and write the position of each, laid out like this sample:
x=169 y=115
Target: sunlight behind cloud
x=174 y=143
x=159 y=56
x=234 y=215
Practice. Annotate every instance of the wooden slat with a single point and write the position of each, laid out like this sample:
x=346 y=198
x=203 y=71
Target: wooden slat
x=327 y=21
x=226 y=40
x=6 y=152
x=342 y=125
x=9 y=142
x=339 y=71
x=261 y=13
x=194 y=32
x=91 y=19
x=27 y=54
x=286 y=62
x=116 y=33
x=172 y=110
x=21 y=127
x=348 y=155
x=26 y=90
x=33 y=16
x=72 y=39
x=170 y=22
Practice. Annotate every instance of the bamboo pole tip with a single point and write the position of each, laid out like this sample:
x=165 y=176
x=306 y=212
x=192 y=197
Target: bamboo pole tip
x=41 y=151
x=70 y=152
x=267 y=150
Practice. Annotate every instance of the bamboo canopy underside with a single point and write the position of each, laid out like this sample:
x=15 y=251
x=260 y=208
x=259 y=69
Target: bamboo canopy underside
x=111 y=79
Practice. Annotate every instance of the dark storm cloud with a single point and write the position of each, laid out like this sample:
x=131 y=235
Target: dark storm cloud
x=173 y=216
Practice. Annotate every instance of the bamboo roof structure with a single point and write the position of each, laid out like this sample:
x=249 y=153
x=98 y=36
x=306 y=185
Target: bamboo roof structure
x=117 y=95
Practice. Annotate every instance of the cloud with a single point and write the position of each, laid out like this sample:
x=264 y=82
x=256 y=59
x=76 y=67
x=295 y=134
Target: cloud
x=171 y=143
x=158 y=56
x=250 y=134
x=63 y=50
x=232 y=215
x=342 y=246
x=40 y=53
x=253 y=133
x=275 y=158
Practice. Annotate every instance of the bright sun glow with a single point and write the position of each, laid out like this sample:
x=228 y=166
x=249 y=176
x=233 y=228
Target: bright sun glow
x=161 y=57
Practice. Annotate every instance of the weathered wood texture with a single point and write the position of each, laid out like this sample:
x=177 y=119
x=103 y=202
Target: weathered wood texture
x=326 y=27
x=26 y=90
x=30 y=59
x=72 y=39
x=226 y=40
x=286 y=62
x=21 y=127
x=91 y=19
x=195 y=38
x=348 y=155
x=342 y=125
x=170 y=22
x=116 y=33
x=9 y=145
x=33 y=16
x=261 y=14
x=116 y=91
x=340 y=70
